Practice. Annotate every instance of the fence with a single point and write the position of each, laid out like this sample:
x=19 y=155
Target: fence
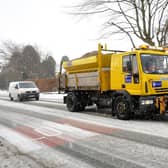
x=47 y=85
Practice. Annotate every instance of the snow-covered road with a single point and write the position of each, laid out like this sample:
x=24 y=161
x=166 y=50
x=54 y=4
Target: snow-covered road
x=49 y=136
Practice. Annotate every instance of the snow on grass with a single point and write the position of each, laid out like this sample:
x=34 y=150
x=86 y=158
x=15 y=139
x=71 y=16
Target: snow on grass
x=47 y=96
x=52 y=96
x=4 y=92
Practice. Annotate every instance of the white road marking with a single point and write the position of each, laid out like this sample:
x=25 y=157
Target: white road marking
x=22 y=142
x=37 y=139
x=48 y=131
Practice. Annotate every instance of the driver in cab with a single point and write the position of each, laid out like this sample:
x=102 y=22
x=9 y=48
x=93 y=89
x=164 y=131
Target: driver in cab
x=150 y=68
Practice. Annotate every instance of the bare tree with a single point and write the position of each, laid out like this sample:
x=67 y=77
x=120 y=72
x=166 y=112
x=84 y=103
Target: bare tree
x=146 y=19
x=24 y=62
x=163 y=34
x=9 y=47
x=48 y=67
x=31 y=61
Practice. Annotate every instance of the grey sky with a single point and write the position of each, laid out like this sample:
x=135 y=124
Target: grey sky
x=44 y=23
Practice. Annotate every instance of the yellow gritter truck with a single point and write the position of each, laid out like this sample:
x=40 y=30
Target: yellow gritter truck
x=130 y=83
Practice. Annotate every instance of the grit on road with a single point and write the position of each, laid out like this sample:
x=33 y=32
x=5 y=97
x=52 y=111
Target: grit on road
x=45 y=134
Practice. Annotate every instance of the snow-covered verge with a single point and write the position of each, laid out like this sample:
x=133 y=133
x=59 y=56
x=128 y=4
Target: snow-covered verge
x=4 y=92
x=52 y=96
x=47 y=96
x=10 y=157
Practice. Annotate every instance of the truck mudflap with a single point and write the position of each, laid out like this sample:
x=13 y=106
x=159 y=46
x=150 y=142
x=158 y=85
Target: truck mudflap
x=161 y=104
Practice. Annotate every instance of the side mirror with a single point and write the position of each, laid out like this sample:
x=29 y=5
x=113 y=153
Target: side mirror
x=16 y=87
x=136 y=78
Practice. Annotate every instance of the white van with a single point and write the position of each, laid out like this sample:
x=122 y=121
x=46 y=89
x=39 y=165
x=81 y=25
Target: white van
x=22 y=90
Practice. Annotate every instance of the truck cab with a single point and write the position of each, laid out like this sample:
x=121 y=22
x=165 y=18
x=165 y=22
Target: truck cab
x=142 y=72
x=142 y=75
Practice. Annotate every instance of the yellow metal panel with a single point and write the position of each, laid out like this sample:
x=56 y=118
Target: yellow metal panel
x=116 y=74
x=106 y=80
x=81 y=64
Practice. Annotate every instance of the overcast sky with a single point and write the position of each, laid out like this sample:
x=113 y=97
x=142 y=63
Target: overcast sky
x=45 y=23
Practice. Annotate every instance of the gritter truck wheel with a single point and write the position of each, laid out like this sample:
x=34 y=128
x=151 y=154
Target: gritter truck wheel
x=72 y=102
x=122 y=108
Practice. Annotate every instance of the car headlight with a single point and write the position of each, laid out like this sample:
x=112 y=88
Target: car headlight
x=144 y=102
x=22 y=91
x=38 y=91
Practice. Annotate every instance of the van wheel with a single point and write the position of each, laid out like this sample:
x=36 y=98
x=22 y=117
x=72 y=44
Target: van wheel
x=122 y=108
x=11 y=98
x=37 y=98
x=20 y=98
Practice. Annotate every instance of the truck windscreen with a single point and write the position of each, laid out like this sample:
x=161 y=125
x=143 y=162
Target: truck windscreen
x=154 y=64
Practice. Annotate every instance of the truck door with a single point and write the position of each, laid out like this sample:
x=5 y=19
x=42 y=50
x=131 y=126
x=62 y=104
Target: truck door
x=131 y=75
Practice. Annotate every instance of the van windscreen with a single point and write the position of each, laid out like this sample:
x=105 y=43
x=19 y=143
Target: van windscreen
x=27 y=85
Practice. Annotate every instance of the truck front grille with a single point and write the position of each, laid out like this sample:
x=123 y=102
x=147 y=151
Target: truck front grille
x=161 y=90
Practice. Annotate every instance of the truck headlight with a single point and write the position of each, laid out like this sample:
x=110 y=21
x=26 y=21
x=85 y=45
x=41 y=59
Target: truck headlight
x=145 y=102
x=156 y=83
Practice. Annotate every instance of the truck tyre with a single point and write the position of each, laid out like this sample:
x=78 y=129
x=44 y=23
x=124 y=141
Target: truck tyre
x=99 y=106
x=72 y=103
x=81 y=107
x=122 y=108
